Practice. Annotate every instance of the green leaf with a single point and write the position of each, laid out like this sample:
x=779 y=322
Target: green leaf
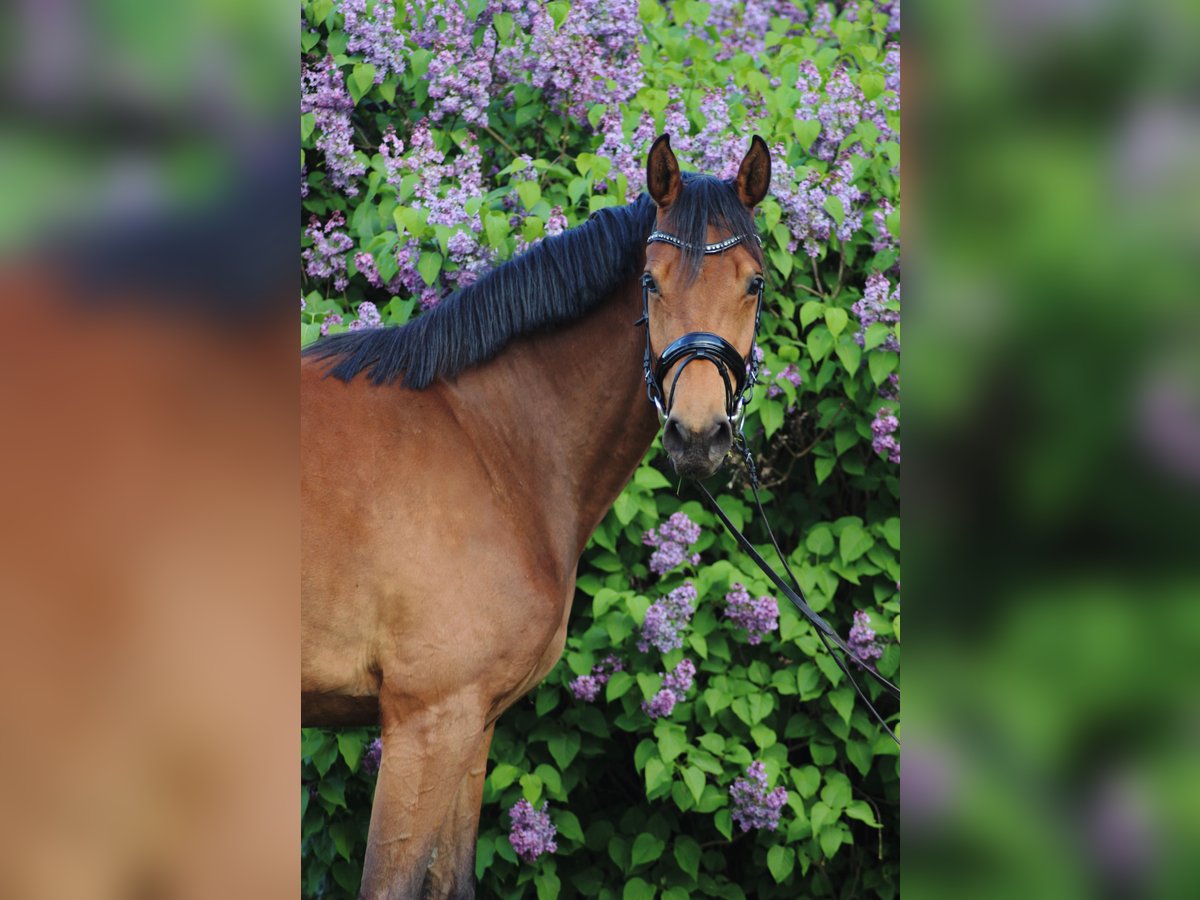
x=833 y=206
x=547 y=884
x=810 y=312
x=694 y=779
x=429 y=265
x=531 y=788
x=637 y=889
x=806 y=131
x=650 y=478
x=333 y=790
x=807 y=779
x=881 y=366
x=351 y=745
x=529 y=192
x=763 y=736
x=563 y=747
x=503 y=775
x=861 y=810
x=836 y=319
x=843 y=701
x=819 y=343
x=325 y=756
x=361 y=80
x=819 y=815
x=658 y=778
x=618 y=686
x=687 y=854
x=819 y=540
x=568 y=825
x=822 y=466
x=850 y=354
x=831 y=840
x=872 y=85
x=646 y=848
x=780 y=861
x=626 y=507
x=876 y=334
x=860 y=755
x=891 y=532
x=672 y=742
x=343 y=834
x=307 y=122
x=771 y=414
x=854 y=542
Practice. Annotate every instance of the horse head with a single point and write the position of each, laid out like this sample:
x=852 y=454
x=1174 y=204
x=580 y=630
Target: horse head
x=702 y=290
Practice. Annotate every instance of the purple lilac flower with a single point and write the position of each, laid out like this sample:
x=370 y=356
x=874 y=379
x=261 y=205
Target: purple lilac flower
x=882 y=429
x=323 y=93
x=862 y=638
x=661 y=704
x=804 y=204
x=890 y=389
x=326 y=258
x=676 y=684
x=877 y=306
x=883 y=237
x=666 y=619
x=532 y=832
x=891 y=8
x=373 y=34
x=371 y=759
x=671 y=541
x=331 y=319
x=587 y=687
x=759 y=617
x=753 y=806
x=368 y=317
x=790 y=374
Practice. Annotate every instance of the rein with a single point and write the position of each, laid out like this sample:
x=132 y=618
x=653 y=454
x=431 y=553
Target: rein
x=739 y=374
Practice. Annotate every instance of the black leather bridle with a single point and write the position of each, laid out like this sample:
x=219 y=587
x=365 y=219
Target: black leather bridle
x=739 y=373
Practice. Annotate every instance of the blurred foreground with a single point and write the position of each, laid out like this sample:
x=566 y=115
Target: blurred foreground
x=1053 y=453
x=148 y=535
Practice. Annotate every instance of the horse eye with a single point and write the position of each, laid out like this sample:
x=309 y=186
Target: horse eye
x=756 y=284
x=649 y=282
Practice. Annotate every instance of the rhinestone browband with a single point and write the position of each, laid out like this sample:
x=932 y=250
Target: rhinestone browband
x=663 y=238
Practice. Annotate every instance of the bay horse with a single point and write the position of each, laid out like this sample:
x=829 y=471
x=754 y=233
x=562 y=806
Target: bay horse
x=454 y=468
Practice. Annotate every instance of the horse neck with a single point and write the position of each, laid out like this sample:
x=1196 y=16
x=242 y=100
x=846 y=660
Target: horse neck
x=567 y=413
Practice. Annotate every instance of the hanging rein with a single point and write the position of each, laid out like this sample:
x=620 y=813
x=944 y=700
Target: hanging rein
x=739 y=374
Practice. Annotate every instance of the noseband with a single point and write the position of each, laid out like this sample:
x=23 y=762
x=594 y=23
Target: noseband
x=739 y=373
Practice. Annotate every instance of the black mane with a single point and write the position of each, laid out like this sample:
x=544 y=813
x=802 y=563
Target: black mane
x=558 y=280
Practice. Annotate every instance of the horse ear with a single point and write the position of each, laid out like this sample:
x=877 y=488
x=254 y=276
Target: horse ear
x=662 y=173
x=754 y=175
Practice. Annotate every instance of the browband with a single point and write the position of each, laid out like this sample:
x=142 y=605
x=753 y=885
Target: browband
x=663 y=238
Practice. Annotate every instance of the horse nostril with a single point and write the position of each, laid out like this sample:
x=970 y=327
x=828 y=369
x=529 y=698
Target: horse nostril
x=720 y=431
x=674 y=439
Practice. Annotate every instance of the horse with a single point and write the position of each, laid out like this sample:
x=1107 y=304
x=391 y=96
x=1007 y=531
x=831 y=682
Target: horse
x=454 y=468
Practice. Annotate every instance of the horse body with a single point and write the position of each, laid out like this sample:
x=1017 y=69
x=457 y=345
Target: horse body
x=443 y=519
x=441 y=532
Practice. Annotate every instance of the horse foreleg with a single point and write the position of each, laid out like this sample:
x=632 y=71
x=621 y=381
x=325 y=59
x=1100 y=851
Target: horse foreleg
x=426 y=751
x=452 y=874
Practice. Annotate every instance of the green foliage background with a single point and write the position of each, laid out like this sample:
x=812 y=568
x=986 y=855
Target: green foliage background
x=641 y=807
